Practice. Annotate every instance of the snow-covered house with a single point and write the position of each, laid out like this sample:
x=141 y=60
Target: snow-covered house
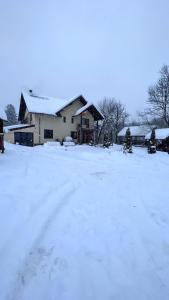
x=2 y=119
x=162 y=138
x=138 y=134
x=48 y=119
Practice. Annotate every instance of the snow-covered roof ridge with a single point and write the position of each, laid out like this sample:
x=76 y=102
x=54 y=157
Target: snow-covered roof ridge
x=3 y=115
x=140 y=130
x=160 y=134
x=85 y=107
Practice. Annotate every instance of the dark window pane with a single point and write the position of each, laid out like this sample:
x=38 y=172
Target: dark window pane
x=74 y=135
x=48 y=134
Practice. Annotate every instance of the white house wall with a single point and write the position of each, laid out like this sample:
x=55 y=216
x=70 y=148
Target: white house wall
x=60 y=129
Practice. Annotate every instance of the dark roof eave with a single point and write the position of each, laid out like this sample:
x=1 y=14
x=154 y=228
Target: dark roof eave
x=19 y=128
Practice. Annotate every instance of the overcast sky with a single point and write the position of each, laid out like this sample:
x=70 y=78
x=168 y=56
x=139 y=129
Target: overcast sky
x=96 y=48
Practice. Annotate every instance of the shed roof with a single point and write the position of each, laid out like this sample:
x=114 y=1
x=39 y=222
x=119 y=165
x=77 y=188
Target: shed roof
x=16 y=126
x=141 y=130
x=160 y=134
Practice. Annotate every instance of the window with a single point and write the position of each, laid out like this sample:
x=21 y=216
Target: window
x=64 y=119
x=30 y=117
x=48 y=134
x=85 y=122
x=72 y=120
x=74 y=135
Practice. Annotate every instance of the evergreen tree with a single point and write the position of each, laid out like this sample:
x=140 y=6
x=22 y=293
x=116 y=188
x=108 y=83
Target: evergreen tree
x=152 y=142
x=11 y=114
x=128 y=141
x=153 y=136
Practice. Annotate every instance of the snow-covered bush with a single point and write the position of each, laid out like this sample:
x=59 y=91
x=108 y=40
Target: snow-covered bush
x=68 y=139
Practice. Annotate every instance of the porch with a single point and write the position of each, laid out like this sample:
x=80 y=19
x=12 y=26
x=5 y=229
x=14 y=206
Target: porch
x=85 y=136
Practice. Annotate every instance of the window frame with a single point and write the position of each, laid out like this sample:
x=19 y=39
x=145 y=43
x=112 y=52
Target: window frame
x=85 y=122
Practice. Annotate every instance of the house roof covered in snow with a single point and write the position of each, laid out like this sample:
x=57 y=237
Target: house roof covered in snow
x=141 y=130
x=160 y=134
x=47 y=105
x=43 y=104
x=16 y=126
x=3 y=115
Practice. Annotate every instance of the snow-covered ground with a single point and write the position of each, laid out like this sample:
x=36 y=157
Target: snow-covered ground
x=83 y=223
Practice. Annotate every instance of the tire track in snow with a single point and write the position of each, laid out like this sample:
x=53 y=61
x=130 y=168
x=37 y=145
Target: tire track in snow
x=24 y=275
x=40 y=205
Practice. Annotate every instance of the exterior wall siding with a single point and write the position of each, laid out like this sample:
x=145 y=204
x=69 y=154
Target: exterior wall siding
x=60 y=129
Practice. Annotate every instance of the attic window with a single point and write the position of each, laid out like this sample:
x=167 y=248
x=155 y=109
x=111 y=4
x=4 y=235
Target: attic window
x=64 y=119
x=72 y=120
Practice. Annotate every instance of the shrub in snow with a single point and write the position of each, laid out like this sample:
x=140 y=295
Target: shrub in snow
x=106 y=144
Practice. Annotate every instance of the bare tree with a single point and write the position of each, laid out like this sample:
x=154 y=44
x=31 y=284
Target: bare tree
x=145 y=118
x=115 y=116
x=159 y=97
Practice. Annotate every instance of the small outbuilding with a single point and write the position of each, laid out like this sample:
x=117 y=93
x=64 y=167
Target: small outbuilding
x=2 y=119
x=161 y=137
x=138 y=134
x=19 y=134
